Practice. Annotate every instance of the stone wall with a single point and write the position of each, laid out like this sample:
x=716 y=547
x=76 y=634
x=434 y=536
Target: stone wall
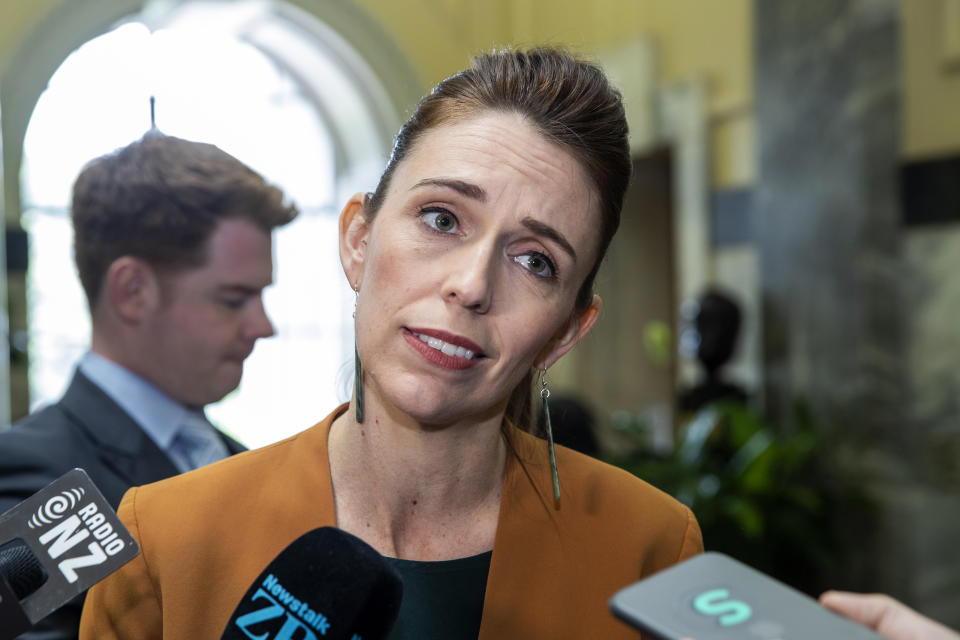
x=857 y=310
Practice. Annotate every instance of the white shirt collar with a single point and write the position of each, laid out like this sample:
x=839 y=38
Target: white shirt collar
x=157 y=414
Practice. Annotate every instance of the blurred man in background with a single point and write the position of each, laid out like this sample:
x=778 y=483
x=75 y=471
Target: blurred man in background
x=172 y=243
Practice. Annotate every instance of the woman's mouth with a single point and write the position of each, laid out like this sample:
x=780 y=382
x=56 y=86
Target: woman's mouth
x=445 y=347
x=446 y=350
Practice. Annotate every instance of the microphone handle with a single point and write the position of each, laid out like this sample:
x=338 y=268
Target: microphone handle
x=13 y=619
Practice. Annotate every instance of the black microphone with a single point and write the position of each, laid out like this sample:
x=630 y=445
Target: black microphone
x=326 y=584
x=19 y=577
x=55 y=545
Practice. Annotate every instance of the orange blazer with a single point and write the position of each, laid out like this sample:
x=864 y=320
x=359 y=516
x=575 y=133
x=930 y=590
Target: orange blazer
x=206 y=536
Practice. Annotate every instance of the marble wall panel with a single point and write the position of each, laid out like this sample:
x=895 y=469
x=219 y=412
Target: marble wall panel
x=859 y=312
x=826 y=209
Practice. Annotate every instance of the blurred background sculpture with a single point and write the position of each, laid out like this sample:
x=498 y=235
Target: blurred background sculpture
x=716 y=325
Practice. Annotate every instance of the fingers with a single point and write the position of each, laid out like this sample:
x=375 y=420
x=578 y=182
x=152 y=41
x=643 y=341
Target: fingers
x=886 y=616
x=867 y=609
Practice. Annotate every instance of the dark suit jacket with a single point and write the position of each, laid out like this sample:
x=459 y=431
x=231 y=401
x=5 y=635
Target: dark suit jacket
x=552 y=571
x=85 y=429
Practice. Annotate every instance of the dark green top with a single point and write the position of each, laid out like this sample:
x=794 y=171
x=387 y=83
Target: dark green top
x=441 y=600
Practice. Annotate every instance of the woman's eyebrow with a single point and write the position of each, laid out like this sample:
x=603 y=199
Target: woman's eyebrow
x=549 y=232
x=470 y=190
x=475 y=192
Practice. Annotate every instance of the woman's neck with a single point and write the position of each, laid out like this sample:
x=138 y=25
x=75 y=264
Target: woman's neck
x=418 y=492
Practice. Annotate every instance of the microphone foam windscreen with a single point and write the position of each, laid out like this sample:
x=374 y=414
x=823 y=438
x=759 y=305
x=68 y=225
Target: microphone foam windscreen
x=326 y=584
x=21 y=568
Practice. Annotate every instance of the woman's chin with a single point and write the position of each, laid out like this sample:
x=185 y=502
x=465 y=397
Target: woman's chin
x=442 y=411
x=412 y=397
x=436 y=415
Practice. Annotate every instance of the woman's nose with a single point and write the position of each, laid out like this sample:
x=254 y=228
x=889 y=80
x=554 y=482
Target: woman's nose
x=471 y=279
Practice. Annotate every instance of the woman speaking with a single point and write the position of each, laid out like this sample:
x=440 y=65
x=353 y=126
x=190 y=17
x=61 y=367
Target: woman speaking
x=473 y=263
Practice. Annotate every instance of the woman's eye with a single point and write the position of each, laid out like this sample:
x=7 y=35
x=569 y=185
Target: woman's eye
x=537 y=264
x=441 y=220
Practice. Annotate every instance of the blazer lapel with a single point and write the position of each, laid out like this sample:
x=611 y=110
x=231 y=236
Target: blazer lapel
x=527 y=565
x=121 y=443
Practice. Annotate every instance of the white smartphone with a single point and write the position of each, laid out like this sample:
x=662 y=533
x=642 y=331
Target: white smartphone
x=714 y=597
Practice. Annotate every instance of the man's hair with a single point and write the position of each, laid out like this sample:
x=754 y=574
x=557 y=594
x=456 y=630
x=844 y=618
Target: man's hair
x=159 y=199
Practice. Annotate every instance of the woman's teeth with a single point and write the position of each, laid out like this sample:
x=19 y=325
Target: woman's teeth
x=446 y=347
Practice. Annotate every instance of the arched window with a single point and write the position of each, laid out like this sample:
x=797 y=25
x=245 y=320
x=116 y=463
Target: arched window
x=274 y=87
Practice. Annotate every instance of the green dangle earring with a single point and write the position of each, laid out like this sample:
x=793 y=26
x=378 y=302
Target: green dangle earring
x=545 y=413
x=357 y=366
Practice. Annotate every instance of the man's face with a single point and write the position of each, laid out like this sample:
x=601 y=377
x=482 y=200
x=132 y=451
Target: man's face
x=208 y=318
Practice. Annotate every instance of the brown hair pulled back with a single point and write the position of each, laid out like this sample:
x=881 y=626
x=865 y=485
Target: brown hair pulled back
x=160 y=199
x=569 y=101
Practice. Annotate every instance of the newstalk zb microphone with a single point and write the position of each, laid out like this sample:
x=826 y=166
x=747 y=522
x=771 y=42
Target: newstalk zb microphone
x=326 y=584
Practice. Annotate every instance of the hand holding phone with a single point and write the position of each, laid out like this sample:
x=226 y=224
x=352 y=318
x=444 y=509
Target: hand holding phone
x=886 y=616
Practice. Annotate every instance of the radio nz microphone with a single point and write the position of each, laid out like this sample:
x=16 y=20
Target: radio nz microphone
x=55 y=545
x=326 y=584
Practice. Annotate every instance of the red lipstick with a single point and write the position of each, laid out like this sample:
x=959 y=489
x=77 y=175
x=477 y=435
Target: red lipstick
x=454 y=339
x=439 y=358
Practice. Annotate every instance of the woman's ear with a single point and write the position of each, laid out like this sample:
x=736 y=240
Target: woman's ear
x=570 y=333
x=354 y=227
x=132 y=289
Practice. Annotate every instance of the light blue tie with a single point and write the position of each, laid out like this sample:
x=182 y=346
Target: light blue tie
x=197 y=443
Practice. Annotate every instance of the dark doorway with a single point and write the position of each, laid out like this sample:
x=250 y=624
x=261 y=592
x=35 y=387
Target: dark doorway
x=628 y=362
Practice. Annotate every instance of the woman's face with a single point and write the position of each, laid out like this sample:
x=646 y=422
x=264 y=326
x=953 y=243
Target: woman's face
x=469 y=272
